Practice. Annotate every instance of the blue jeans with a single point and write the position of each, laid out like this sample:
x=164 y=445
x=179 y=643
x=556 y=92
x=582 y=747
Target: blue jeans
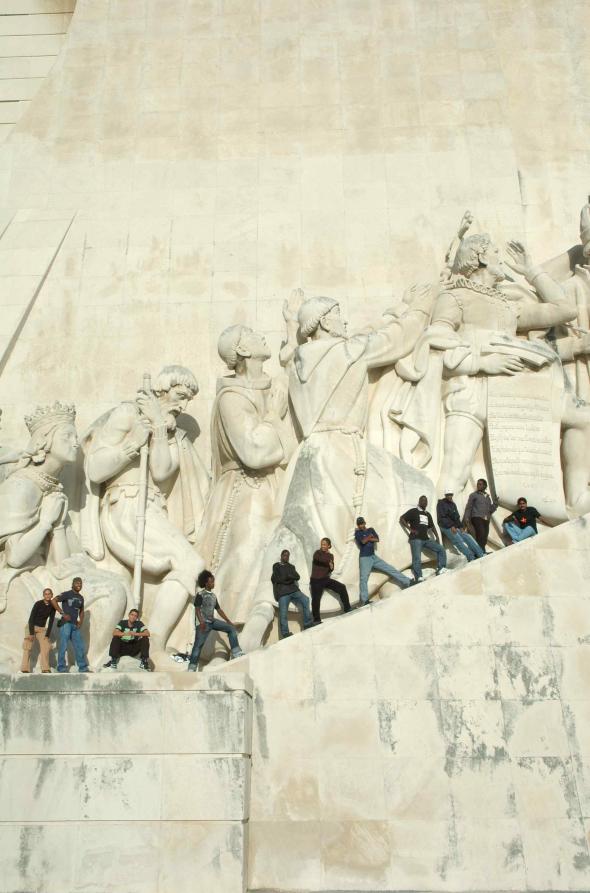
x=69 y=632
x=370 y=563
x=299 y=599
x=201 y=637
x=417 y=545
x=517 y=533
x=464 y=542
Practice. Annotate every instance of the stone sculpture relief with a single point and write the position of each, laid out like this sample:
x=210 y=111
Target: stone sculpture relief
x=38 y=546
x=250 y=444
x=486 y=371
x=177 y=490
x=335 y=475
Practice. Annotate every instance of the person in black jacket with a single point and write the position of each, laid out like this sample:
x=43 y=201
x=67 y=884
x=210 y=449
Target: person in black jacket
x=449 y=521
x=39 y=627
x=284 y=581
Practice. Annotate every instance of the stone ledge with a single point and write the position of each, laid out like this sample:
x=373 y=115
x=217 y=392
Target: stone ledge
x=99 y=683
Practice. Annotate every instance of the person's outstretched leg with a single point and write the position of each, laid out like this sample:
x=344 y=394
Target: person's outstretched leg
x=232 y=634
x=456 y=540
x=385 y=568
x=340 y=590
x=439 y=551
x=471 y=544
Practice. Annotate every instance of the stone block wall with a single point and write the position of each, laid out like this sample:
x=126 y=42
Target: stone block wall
x=438 y=740
x=130 y=783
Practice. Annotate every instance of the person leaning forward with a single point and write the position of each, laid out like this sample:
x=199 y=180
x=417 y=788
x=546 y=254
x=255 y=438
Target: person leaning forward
x=39 y=627
x=130 y=639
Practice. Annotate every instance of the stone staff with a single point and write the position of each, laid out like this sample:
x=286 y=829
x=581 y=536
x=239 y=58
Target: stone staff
x=144 y=453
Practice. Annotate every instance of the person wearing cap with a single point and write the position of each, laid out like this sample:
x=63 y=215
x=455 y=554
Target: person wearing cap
x=365 y=538
x=417 y=523
x=449 y=521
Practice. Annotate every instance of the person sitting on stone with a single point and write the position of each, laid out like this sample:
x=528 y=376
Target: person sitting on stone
x=321 y=569
x=130 y=639
x=522 y=523
x=449 y=521
x=205 y=606
x=417 y=522
x=365 y=538
x=284 y=581
x=39 y=627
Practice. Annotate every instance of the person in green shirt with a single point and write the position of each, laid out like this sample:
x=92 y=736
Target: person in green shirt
x=130 y=637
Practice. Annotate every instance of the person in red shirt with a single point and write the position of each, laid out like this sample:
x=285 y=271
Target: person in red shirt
x=522 y=523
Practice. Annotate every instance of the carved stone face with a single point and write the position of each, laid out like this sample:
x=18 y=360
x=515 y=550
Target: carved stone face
x=65 y=445
x=492 y=260
x=253 y=344
x=332 y=322
x=176 y=399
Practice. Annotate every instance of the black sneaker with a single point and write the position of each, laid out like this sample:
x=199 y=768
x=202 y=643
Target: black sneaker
x=144 y=665
x=111 y=664
x=286 y=636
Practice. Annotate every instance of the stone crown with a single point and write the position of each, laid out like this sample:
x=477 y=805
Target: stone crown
x=57 y=412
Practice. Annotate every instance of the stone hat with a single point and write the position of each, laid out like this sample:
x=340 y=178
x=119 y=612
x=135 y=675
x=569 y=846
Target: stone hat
x=360 y=520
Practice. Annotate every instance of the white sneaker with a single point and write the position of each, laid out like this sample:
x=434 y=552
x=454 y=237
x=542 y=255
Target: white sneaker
x=443 y=570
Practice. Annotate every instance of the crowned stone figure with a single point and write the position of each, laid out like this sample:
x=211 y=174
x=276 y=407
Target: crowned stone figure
x=38 y=546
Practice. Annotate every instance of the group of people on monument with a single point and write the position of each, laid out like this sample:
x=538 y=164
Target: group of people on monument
x=351 y=426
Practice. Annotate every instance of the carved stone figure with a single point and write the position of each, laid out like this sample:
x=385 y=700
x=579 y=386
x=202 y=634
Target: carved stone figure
x=38 y=546
x=177 y=490
x=494 y=380
x=250 y=446
x=334 y=475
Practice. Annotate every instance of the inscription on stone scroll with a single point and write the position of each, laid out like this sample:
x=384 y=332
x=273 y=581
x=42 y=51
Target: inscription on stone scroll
x=523 y=440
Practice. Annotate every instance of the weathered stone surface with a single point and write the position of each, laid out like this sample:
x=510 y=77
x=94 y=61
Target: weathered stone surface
x=444 y=747
x=145 y=770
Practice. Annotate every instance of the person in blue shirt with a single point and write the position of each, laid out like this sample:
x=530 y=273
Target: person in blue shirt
x=70 y=605
x=366 y=537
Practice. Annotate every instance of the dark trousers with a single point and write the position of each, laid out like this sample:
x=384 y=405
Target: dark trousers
x=481 y=528
x=317 y=590
x=134 y=648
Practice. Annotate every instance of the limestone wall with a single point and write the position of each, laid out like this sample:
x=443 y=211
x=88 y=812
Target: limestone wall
x=133 y=783
x=438 y=741
x=217 y=154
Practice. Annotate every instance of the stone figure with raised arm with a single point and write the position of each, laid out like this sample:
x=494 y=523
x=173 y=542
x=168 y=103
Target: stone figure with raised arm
x=251 y=442
x=177 y=490
x=334 y=475
x=496 y=379
x=37 y=543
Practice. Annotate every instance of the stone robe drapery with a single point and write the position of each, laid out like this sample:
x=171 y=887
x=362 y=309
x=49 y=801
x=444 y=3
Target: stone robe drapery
x=248 y=447
x=334 y=474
